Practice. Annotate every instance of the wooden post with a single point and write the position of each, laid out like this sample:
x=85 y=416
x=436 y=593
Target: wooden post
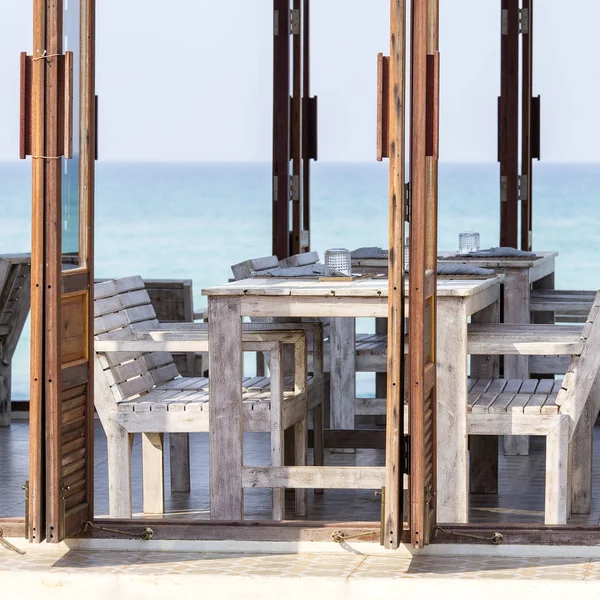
x=526 y=130
x=516 y=310
x=307 y=125
x=37 y=490
x=296 y=131
x=281 y=128
x=452 y=466
x=225 y=409
x=394 y=453
x=342 y=369
x=153 y=479
x=508 y=130
x=53 y=268
x=483 y=449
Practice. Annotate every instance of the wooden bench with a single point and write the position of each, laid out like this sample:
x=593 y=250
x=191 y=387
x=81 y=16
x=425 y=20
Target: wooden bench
x=568 y=306
x=138 y=389
x=15 y=300
x=173 y=302
x=563 y=412
x=370 y=349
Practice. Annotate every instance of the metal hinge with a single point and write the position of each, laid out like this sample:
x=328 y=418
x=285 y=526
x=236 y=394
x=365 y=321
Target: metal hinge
x=503 y=188
x=382 y=517
x=407 y=202
x=523 y=187
x=295 y=188
x=63 y=512
x=524 y=20
x=406 y=461
x=504 y=22
x=26 y=489
x=275 y=187
x=276 y=22
x=304 y=239
x=295 y=21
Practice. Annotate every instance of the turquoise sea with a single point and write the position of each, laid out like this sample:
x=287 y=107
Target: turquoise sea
x=195 y=220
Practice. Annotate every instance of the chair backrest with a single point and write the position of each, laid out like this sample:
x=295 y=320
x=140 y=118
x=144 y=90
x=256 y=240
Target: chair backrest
x=15 y=301
x=245 y=269
x=121 y=305
x=583 y=370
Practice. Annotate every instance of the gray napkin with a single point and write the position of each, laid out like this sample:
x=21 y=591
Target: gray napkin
x=366 y=253
x=305 y=271
x=453 y=269
x=501 y=253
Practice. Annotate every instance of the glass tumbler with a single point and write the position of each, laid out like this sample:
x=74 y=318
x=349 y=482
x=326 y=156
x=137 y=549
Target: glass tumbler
x=468 y=242
x=338 y=263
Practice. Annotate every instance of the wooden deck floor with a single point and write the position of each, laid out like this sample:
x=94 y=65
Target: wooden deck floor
x=521 y=497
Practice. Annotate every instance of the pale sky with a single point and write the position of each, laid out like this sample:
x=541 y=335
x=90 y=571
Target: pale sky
x=190 y=80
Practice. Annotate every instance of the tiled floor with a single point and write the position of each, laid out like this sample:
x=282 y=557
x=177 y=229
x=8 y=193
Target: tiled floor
x=343 y=566
x=521 y=498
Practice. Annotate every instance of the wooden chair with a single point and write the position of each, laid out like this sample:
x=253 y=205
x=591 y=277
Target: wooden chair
x=370 y=348
x=567 y=306
x=15 y=300
x=563 y=412
x=140 y=391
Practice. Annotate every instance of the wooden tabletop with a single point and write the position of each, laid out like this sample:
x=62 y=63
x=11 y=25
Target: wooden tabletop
x=497 y=262
x=366 y=288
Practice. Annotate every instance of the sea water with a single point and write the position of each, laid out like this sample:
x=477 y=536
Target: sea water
x=194 y=221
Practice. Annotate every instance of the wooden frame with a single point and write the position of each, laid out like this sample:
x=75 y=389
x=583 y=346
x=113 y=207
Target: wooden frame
x=61 y=420
x=393 y=517
x=294 y=128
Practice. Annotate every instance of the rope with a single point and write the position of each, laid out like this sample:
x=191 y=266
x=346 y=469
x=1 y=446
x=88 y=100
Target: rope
x=339 y=536
x=147 y=533
x=48 y=157
x=45 y=55
x=8 y=545
x=496 y=538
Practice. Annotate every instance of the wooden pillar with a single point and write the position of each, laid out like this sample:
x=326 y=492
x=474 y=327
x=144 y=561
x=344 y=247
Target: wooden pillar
x=508 y=128
x=392 y=525
x=308 y=129
x=527 y=128
x=296 y=128
x=281 y=128
x=226 y=410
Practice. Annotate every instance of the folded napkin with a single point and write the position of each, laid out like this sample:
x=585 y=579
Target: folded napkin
x=366 y=253
x=304 y=271
x=461 y=269
x=501 y=253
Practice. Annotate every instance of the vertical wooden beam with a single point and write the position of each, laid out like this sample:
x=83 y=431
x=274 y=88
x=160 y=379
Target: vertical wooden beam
x=36 y=526
x=296 y=132
x=483 y=449
x=53 y=258
x=418 y=257
x=307 y=125
x=225 y=410
x=281 y=128
x=509 y=125
x=527 y=131
x=87 y=130
x=394 y=494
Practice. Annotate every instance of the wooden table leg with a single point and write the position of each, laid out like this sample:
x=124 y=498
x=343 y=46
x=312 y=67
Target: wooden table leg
x=342 y=333
x=381 y=326
x=225 y=408
x=516 y=310
x=452 y=462
x=483 y=449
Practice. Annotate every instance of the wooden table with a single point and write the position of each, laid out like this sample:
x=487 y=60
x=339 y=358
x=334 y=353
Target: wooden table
x=227 y=304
